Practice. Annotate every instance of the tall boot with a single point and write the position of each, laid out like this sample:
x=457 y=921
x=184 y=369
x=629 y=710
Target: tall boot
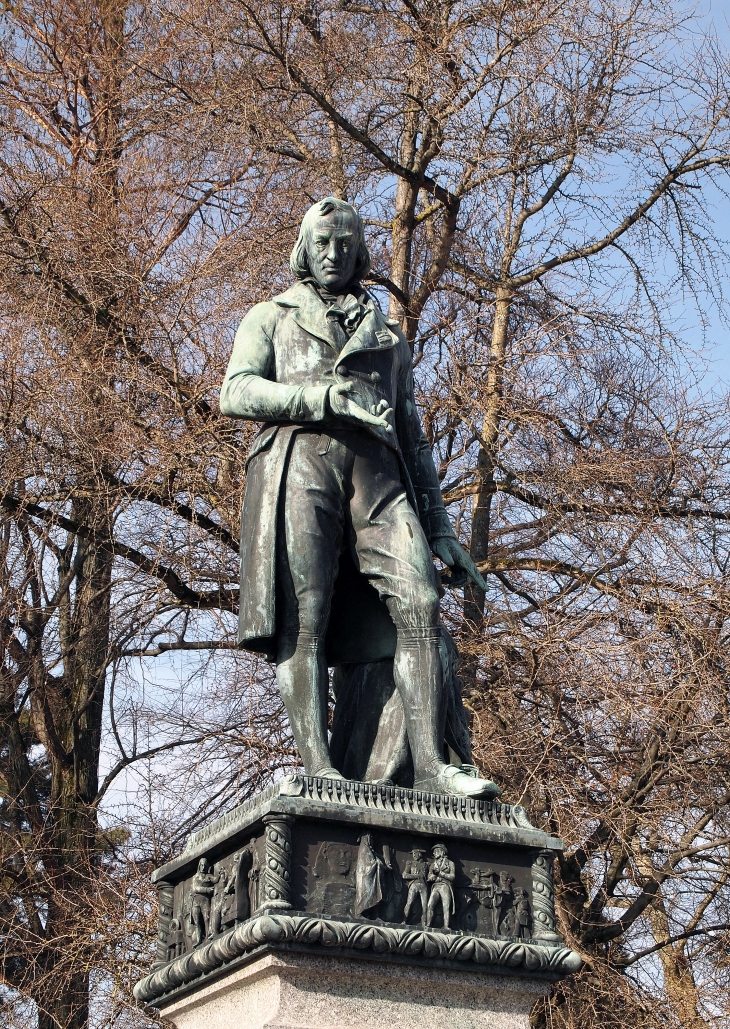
x=418 y=675
x=301 y=672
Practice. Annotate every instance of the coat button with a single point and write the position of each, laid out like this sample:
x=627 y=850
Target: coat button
x=375 y=376
x=343 y=370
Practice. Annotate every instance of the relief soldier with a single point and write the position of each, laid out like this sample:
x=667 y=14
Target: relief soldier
x=341 y=487
x=522 y=914
x=441 y=876
x=415 y=874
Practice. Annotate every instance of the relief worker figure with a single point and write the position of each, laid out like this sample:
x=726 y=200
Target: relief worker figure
x=201 y=889
x=342 y=500
x=224 y=887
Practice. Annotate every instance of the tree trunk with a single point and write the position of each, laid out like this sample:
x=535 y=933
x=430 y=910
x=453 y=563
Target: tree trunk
x=474 y=598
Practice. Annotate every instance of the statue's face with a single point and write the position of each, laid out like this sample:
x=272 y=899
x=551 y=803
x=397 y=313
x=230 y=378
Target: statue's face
x=338 y=860
x=332 y=249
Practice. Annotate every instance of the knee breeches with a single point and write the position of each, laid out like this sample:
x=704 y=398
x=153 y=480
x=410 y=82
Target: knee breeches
x=345 y=491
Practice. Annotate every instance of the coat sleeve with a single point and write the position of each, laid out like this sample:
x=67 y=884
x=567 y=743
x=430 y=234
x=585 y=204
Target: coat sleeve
x=417 y=453
x=248 y=389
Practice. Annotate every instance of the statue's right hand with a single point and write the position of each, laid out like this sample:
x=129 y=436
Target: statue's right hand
x=342 y=407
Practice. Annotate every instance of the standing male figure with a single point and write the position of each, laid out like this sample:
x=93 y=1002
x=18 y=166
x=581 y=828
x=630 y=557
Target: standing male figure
x=201 y=890
x=441 y=874
x=342 y=499
x=415 y=874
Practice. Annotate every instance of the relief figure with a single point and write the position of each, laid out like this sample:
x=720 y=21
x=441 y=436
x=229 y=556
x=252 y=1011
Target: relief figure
x=415 y=874
x=378 y=882
x=334 y=892
x=201 y=891
x=242 y=862
x=254 y=879
x=221 y=906
x=441 y=877
x=369 y=877
x=176 y=945
x=504 y=900
x=523 y=914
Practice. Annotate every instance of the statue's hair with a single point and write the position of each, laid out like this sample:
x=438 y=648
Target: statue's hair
x=298 y=261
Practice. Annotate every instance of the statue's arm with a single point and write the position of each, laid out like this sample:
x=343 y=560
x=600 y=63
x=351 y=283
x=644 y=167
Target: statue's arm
x=417 y=453
x=248 y=390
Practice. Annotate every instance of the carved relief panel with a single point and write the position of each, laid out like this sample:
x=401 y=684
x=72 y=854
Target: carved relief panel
x=219 y=895
x=401 y=880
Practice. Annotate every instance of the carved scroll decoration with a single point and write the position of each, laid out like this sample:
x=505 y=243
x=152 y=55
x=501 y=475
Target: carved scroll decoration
x=543 y=899
x=277 y=863
x=165 y=897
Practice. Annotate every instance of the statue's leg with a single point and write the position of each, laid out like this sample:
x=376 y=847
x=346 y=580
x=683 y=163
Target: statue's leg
x=390 y=547
x=409 y=901
x=424 y=903
x=308 y=547
x=431 y=908
x=446 y=905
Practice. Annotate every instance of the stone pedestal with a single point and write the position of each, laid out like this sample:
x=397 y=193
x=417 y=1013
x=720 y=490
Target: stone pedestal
x=339 y=904
x=303 y=991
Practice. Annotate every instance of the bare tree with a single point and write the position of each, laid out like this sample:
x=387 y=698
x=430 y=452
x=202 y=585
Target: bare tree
x=120 y=487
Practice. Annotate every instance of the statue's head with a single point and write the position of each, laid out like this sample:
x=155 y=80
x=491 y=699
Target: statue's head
x=333 y=859
x=331 y=245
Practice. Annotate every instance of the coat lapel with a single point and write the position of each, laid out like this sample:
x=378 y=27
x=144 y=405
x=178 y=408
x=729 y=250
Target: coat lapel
x=371 y=334
x=308 y=312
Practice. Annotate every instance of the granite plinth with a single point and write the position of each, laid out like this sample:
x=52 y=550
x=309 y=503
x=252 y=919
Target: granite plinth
x=303 y=991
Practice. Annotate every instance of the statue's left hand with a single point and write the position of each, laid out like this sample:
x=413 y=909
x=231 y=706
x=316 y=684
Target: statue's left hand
x=447 y=548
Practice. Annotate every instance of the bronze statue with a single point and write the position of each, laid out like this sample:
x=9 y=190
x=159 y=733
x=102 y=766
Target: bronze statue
x=343 y=507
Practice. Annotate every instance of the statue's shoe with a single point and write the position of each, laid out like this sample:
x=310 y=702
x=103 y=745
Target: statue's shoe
x=328 y=773
x=455 y=782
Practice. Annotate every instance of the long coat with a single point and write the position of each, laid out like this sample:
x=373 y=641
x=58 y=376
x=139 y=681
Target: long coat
x=287 y=353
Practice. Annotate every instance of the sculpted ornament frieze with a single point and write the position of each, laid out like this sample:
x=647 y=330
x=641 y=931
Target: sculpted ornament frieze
x=514 y=955
x=369 y=880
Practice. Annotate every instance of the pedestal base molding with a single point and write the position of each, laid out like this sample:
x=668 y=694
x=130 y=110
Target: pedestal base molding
x=418 y=943
x=302 y=991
